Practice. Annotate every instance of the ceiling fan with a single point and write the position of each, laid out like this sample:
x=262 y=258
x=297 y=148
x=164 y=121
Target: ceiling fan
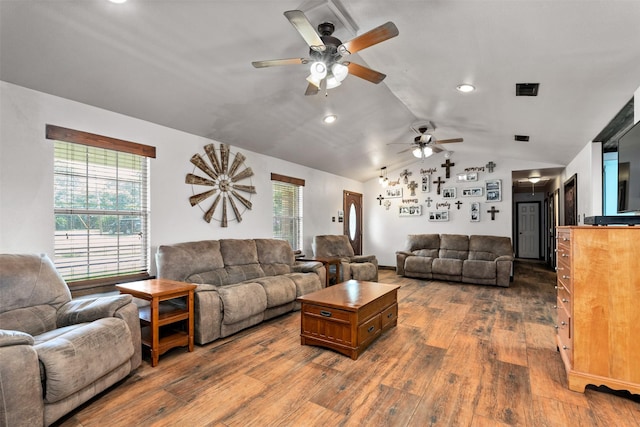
x=328 y=69
x=425 y=144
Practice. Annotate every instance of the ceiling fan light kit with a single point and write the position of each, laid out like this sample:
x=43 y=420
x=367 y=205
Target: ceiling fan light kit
x=328 y=70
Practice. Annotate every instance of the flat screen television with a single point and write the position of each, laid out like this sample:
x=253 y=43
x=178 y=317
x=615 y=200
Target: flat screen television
x=629 y=170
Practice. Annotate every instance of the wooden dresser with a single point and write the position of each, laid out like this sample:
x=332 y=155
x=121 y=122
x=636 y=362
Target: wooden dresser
x=598 y=329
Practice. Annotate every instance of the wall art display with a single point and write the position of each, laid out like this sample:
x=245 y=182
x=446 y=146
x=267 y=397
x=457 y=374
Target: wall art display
x=474 y=212
x=449 y=193
x=393 y=193
x=493 y=190
x=472 y=192
x=410 y=210
x=425 y=184
x=439 y=216
x=467 y=176
x=224 y=172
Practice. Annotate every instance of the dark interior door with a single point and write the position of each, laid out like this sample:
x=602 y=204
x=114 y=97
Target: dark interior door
x=352 y=205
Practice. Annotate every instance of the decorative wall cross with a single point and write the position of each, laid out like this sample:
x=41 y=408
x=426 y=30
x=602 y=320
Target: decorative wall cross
x=490 y=166
x=406 y=174
x=428 y=201
x=439 y=182
x=387 y=203
x=493 y=211
x=448 y=166
x=412 y=186
x=380 y=199
x=458 y=203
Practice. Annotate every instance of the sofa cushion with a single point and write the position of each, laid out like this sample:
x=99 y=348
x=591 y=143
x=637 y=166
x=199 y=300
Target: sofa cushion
x=275 y=256
x=305 y=282
x=447 y=266
x=479 y=269
x=432 y=253
x=181 y=260
x=217 y=277
x=280 y=290
x=238 y=251
x=488 y=248
x=423 y=241
x=332 y=246
x=418 y=264
x=242 y=301
x=364 y=271
x=76 y=356
x=454 y=246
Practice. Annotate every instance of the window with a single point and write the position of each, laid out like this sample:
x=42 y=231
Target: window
x=101 y=208
x=287 y=209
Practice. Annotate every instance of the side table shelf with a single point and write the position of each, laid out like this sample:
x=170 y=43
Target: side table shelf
x=161 y=320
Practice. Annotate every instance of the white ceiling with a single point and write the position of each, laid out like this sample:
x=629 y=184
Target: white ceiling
x=187 y=65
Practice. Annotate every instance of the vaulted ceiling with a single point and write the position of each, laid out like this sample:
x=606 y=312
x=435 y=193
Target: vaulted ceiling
x=187 y=65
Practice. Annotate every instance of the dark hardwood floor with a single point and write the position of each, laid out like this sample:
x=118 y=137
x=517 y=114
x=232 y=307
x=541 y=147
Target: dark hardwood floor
x=461 y=355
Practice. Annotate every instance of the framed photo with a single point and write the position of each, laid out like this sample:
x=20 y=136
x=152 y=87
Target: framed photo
x=474 y=212
x=493 y=190
x=425 y=184
x=439 y=216
x=467 y=176
x=410 y=210
x=472 y=192
x=393 y=192
x=449 y=193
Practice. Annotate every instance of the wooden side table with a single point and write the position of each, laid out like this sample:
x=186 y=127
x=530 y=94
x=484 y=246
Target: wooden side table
x=327 y=262
x=160 y=313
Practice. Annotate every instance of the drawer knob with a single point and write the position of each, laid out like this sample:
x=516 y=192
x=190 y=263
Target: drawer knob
x=555 y=307
x=563 y=323
x=371 y=329
x=564 y=255
x=564 y=347
x=565 y=300
x=555 y=326
x=325 y=313
x=566 y=277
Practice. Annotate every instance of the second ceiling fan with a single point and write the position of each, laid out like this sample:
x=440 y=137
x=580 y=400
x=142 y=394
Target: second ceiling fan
x=328 y=69
x=425 y=144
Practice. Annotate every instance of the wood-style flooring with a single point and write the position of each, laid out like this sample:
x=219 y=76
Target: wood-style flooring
x=461 y=355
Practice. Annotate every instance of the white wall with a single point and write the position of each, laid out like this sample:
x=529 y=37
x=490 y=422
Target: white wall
x=386 y=231
x=26 y=177
x=587 y=165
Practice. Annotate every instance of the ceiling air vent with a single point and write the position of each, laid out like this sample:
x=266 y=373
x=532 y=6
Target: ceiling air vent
x=527 y=89
x=524 y=138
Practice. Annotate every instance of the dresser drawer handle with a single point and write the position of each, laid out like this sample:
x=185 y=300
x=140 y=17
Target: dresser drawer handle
x=325 y=313
x=564 y=255
x=565 y=239
x=564 y=347
x=565 y=300
x=564 y=276
x=563 y=323
x=371 y=329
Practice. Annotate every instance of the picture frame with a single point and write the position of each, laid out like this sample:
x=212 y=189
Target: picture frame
x=393 y=193
x=474 y=212
x=472 y=192
x=493 y=190
x=425 y=184
x=449 y=193
x=439 y=216
x=410 y=210
x=467 y=176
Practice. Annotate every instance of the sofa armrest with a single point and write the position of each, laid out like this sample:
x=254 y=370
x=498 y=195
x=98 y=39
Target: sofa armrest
x=90 y=309
x=401 y=256
x=306 y=266
x=21 y=402
x=9 y=338
x=508 y=258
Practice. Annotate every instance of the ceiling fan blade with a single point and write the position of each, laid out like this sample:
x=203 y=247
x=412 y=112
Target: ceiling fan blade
x=448 y=141
x=306 y=30
x=375 y=36
x=277 y=62
x=407 y=149
x=436 y=149
x=365 y=73
x=311 y=89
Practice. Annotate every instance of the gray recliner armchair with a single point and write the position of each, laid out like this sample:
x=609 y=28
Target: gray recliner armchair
x=358 y=267
x=56 y=353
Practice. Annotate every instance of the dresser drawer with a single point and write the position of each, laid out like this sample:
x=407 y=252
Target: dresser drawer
x=564 y=331
x=564 y=297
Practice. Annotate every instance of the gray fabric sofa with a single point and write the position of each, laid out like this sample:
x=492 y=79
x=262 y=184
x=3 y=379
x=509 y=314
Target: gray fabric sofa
x=357 y=267
x=241 y=282
x=484 y=260
x=56 y=353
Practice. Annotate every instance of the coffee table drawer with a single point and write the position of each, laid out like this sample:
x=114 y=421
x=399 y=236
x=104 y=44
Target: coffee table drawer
x=369 y=330
x=389 y=316
x=326 y=312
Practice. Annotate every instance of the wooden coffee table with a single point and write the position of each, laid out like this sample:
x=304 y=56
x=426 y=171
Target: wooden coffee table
x=349 y=316
x=160 y=314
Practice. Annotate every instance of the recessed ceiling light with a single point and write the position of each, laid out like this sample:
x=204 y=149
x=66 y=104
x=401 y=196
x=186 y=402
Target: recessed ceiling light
x=330 y=118
x=118 y=1
x=465 y=87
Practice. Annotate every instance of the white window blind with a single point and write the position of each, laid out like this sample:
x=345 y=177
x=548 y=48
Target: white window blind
x=101 y=212
x=287 y=211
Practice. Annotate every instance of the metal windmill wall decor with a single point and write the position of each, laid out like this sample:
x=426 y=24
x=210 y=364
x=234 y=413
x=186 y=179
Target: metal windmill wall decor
x=223 y=177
